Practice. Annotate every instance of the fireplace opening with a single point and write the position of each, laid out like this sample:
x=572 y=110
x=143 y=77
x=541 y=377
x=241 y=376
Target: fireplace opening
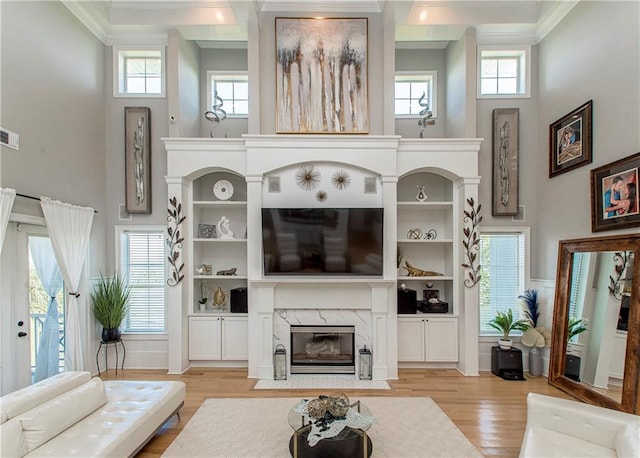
x=322 y=350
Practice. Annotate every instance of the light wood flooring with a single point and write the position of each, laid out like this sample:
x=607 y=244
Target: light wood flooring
x=491 y=412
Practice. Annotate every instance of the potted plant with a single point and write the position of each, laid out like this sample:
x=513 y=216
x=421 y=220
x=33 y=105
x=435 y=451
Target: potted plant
x=575 y=327
x=535 y=337
x=573 y=362
x=110 y=304
x=504 y=323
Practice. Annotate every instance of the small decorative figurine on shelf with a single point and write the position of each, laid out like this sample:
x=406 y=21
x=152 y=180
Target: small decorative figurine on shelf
x=422 y=195
x=223 y=228
x=219 y=298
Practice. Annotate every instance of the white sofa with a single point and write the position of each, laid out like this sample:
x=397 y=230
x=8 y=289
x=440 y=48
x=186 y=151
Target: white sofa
x=564 y=428
x=74 y=415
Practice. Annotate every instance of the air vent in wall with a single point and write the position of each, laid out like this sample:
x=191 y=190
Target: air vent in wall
x=10 y=139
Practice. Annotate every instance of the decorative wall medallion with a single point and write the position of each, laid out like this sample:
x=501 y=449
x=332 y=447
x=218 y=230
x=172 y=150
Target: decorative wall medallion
x=471 y=243
x=308 y=177
x=174 y=241
x=341 y=179
x=370 y=185
x=274 y=184
x=321 y=196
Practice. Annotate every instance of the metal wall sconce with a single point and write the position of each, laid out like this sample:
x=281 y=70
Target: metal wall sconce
x=366 y=362
x=280 y=363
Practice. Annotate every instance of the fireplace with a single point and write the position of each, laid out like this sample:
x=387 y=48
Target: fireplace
x=322 y=349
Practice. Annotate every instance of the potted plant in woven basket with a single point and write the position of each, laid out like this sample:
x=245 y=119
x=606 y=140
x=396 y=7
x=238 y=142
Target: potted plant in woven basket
x=110 y=304
x=505 y=323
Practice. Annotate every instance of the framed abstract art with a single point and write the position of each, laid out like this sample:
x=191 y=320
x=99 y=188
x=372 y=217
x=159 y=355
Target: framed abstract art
x=321 y=75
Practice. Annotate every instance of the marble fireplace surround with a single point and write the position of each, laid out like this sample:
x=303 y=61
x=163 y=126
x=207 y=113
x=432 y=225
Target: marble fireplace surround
x=356 y=302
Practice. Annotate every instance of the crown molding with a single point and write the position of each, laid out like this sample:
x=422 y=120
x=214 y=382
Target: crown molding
x=511 y=38
x=553 y=17
x=140 y=39
x=421 y=44
x=326 y=6
x=220 y=44
x=91 y=21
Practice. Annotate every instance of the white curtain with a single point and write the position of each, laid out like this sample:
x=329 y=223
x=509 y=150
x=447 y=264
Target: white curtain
x=70 y=229
x=7 y=195
x=50 y=276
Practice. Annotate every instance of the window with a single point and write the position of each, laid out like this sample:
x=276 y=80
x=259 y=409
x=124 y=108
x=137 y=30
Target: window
x=233 y=89
x=139 y=71
x=504 y=71
x=503 y=261
x=409 y=87
x=142 y=266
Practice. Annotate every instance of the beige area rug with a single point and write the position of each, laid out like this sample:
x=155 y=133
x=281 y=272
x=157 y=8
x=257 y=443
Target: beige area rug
x=404 y=428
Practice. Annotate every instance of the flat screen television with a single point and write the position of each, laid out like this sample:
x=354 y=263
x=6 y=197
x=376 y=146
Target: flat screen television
x=322 y=241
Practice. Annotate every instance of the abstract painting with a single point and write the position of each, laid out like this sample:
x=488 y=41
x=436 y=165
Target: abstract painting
x=321 y=75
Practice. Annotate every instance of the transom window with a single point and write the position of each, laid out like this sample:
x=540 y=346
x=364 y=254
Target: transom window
x=409 y=88
x=503 y=261
x=233 y=89
x=142 y=257
x=504 y=72
x=139 y=72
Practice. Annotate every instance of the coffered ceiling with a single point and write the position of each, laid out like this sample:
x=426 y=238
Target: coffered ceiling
x=416 y=21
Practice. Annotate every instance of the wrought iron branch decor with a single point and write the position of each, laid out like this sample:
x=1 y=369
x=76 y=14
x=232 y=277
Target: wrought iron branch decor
x=616 y=282
x=471 y=242
x=174 y=241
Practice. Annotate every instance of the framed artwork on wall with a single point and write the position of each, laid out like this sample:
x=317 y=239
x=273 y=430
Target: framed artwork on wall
x=321 y=75
x=570 y=140
x=137 y=154
x=505 y=161
x=614 y=195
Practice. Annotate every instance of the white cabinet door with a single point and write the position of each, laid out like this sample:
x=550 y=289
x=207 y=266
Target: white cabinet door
x=410 y=339
x=204 y=338
x=235 y=338
x=441 y=339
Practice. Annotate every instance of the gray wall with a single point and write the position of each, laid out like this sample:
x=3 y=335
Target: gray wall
x=115 y=196
x=424 y=60
x=53 y=95
x=228 y=60
x=584 y=58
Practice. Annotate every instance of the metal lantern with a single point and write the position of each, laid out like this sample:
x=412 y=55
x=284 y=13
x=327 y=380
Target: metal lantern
x=280 y=363
x=366 y=361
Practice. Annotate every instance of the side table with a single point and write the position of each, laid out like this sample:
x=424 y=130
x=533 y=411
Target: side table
x=106 y=353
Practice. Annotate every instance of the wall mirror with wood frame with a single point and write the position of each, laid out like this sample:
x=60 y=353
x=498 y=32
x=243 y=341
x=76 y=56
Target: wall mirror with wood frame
x=595 y=345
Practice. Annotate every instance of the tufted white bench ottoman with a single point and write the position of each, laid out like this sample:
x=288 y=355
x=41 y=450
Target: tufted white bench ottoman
x=74 y=415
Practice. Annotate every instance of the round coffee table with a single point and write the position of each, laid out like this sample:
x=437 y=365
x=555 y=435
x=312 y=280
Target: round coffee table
x=350 y=442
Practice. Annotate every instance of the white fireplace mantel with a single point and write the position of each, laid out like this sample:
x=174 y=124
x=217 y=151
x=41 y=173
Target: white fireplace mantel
x=274 y=302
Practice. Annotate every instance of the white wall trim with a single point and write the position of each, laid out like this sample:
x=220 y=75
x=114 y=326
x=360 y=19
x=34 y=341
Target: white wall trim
x=553 y=17
x=90 y=21
x=137 y=39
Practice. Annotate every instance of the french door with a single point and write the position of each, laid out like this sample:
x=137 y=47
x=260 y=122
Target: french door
x=31 y=322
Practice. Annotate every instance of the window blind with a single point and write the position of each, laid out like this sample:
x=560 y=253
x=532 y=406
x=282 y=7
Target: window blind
x=142 y=265
x=502 y=261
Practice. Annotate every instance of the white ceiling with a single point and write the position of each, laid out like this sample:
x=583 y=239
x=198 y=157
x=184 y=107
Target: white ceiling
x=418 y=22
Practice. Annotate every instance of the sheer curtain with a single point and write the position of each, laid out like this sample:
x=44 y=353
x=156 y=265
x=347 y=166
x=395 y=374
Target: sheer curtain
x=46 y=267
x=7 y=195
x=70 y=229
